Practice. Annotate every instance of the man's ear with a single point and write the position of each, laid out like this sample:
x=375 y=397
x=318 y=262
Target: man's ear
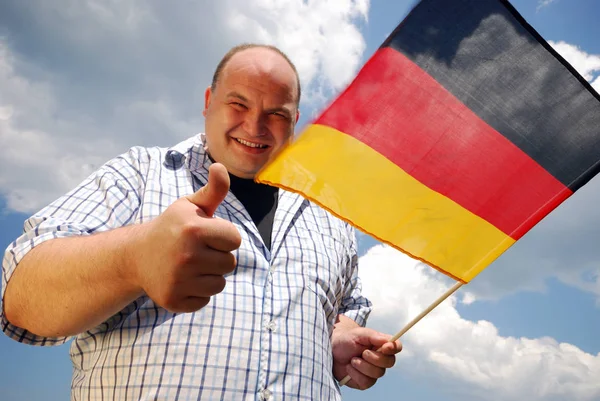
x=207 y=97
x=297 y=116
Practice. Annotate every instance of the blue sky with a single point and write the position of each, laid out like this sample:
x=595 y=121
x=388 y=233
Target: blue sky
x=82 y=82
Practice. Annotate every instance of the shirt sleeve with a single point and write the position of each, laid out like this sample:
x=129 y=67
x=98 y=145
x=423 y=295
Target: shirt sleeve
x=354 y=305
x=109 y=198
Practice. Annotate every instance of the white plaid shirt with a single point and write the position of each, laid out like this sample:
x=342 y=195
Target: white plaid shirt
x=266 y=336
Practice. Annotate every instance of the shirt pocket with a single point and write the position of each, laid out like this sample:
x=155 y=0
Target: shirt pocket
x=323 y=271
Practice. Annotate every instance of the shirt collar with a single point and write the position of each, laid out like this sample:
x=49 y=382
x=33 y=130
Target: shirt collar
x=190 y=152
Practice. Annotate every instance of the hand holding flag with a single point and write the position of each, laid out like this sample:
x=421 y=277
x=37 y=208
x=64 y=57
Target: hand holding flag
x=361 y=354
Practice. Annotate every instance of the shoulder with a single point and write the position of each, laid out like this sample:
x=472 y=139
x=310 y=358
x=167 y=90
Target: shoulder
x=139 y=157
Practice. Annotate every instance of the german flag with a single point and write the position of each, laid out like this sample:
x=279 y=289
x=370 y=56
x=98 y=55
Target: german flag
x=460 y=133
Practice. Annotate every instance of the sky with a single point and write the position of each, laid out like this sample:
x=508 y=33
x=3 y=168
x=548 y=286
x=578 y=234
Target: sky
x=82 y=81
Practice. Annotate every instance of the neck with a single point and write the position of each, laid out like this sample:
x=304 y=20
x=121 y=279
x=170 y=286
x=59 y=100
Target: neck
x=231 y=175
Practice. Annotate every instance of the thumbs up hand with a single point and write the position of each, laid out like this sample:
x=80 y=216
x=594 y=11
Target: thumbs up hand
x=180 y=257
x=209 y=197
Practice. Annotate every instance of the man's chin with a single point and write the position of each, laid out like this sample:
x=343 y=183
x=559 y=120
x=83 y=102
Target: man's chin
x=243 y=173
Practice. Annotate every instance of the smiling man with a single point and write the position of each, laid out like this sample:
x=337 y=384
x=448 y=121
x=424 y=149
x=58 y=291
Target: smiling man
x=179 y=277
x=251 y=108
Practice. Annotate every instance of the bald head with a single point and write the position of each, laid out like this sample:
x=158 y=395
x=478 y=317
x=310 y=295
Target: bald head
x=270 y=57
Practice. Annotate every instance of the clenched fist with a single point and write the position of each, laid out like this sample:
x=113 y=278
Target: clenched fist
x=182 y=255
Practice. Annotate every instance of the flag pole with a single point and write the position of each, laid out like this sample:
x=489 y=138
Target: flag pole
x=410 y=324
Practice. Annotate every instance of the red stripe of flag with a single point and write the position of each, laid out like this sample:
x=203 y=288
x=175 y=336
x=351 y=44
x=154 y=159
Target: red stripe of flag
x=407 y=116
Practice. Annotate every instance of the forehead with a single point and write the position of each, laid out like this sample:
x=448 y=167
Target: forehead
x=261 y=72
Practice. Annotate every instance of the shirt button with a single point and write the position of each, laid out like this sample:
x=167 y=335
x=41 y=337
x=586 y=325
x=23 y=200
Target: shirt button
x=271 y=326
x=265 y=394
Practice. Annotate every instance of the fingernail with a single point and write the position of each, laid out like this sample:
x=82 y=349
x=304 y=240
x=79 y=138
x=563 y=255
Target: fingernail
x=355 y=361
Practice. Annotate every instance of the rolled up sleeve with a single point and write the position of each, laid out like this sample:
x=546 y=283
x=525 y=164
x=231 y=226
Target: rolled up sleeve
x=107 y=199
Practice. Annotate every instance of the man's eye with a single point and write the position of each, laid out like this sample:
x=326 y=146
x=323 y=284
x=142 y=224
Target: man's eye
x=239 y=105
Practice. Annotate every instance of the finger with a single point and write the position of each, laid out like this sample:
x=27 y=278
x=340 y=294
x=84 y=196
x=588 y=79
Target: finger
x=379 y=359
x=367 y=369
x=203 y=286
x=391 y=348
x=211 y=261
x=359 y=380
x=220 y=234
x=371 y=338
x=209 y=197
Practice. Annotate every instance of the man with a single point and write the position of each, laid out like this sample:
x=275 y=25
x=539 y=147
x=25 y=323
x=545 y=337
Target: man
x=176 y=286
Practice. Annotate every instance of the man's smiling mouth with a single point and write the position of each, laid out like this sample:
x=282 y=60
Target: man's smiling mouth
x=251 y=144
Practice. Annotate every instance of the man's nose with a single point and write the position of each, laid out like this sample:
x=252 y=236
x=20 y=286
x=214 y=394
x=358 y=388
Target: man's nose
x=254 y=124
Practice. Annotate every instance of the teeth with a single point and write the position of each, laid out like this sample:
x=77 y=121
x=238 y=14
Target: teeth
x=250 y=144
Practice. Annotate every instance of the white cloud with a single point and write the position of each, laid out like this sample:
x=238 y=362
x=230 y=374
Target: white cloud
x=35 y=163
x=586 y=64
x=468 y=298
x=596 y=84
x=470 y=356
x=83 y=81
x=544 y=3
x=321 y=37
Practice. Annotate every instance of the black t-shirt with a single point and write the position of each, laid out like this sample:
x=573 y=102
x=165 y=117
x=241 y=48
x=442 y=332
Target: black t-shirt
x=260 y=201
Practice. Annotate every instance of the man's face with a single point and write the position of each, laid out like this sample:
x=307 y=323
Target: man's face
x=252 y=112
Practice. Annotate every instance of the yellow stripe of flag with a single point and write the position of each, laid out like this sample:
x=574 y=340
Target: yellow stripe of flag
x=388 y=201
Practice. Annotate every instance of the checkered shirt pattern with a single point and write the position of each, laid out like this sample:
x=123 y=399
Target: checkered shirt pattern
x=267 y=336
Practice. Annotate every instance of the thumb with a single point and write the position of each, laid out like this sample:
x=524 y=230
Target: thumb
x=209 y=197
